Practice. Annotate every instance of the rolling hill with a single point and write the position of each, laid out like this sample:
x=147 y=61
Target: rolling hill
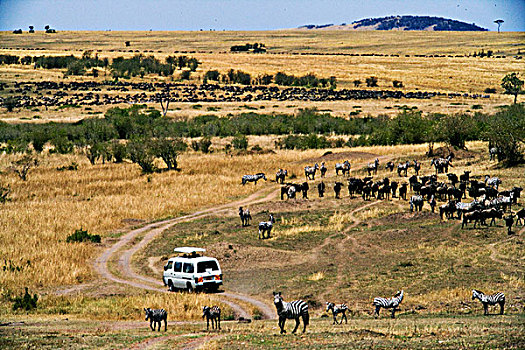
x=401 y=23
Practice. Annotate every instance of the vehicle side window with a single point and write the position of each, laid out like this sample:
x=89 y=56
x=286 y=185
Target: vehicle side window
x=177 y=267
x=205 y=265
x=169 y=265
x=188 y=268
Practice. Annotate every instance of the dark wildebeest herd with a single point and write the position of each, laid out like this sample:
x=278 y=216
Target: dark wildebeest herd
x=93 y=93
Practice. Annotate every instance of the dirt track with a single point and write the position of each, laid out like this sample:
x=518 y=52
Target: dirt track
x=124 y=249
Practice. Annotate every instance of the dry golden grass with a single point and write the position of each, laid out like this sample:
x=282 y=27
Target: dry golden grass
x=447 y=74
x=180 y=306
x=51 y=205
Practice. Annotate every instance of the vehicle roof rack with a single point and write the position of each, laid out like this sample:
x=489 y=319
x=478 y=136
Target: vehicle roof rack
x=189 y=250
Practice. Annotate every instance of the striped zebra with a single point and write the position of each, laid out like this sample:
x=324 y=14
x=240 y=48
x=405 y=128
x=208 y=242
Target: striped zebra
x=245 y=216
x=417 y=167
x=214 y=314
x=493 y=153
x=253 y=178
x=336 y=310
x=342 y=167
x=416 y=202
x=157 y=316
x=403 y=167
x=309 y=171
x=492 y=181
x=486 y=300
x=323 y=169
x=292 y=310
x=266 y=226
x=372 y=167
x=386 y=303
x=280 y=176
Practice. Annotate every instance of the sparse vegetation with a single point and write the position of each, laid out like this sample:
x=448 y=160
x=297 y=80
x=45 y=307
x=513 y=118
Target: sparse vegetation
x=81 y=235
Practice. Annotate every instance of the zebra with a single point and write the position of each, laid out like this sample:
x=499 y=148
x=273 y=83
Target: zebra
x=417 y=167
x=416 y=202
x=403 y=167
x=343 y=167
x=323 y=169
x=292 y=310
x=280 y=176
x=157 y=316
x=245 y=216
x=493 y=153
x=372 y=167
x=492 y=181
x=336 y=310
x=214 y=314
x=386 y=303
x=441 y=164
x=266 y=226
x=486 y=300
x=253 y=178
x=310 y=171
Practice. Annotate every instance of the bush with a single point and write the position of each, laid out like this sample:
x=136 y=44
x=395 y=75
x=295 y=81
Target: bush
x=397 y=84
x=205 y=144
x=62 y=144
x=81 y=235
x=371 y=81
x=25 y=302
x=490 y=90
x=141 y=153
x=240 y=142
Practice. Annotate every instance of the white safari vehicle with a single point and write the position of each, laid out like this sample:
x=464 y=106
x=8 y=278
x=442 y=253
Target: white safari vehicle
x=192 y=271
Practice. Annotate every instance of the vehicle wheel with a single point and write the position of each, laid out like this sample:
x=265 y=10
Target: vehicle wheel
x=171 y=288
x=213 y=289
x=189 y=288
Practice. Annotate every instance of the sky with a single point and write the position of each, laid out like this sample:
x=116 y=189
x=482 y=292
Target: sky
x=244 y=14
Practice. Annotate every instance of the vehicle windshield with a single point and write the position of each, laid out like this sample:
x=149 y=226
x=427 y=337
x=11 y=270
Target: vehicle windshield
x=205 y=265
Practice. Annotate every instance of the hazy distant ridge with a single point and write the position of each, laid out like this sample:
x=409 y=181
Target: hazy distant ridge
x=402 y=23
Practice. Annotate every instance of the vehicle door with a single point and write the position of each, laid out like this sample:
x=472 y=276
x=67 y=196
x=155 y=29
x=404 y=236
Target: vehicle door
x=168 y=271
x=177 y=275
x=188 y=272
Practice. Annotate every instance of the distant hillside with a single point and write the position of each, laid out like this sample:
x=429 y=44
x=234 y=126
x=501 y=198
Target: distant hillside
x=401 y=23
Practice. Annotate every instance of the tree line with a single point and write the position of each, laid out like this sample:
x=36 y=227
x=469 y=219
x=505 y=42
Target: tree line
x=138 y=65
x=239 y=77
x=114 y=137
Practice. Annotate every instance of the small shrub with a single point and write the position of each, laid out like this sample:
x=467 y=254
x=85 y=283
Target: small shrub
x=490 y=90
x=240 y=142
x=477 y=107
x=371 y=81
x=4 y=194
x=397 y=84
x=81 y=235
x=73 y=166
x=25 y=302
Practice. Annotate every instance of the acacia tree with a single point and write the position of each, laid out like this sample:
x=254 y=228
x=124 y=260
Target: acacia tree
x=499 y=22
x=22 y=166
x=168 y=150
x=512 y=85
x=506 y=131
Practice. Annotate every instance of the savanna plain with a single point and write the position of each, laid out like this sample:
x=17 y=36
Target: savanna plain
x=92 y=295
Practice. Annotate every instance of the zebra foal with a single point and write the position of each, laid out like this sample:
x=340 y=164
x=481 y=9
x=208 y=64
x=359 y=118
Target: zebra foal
x=388 y=303
x=336 y=310
x=214 y=314
x=156 y=316
x=486 y=300
x=292 y=311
